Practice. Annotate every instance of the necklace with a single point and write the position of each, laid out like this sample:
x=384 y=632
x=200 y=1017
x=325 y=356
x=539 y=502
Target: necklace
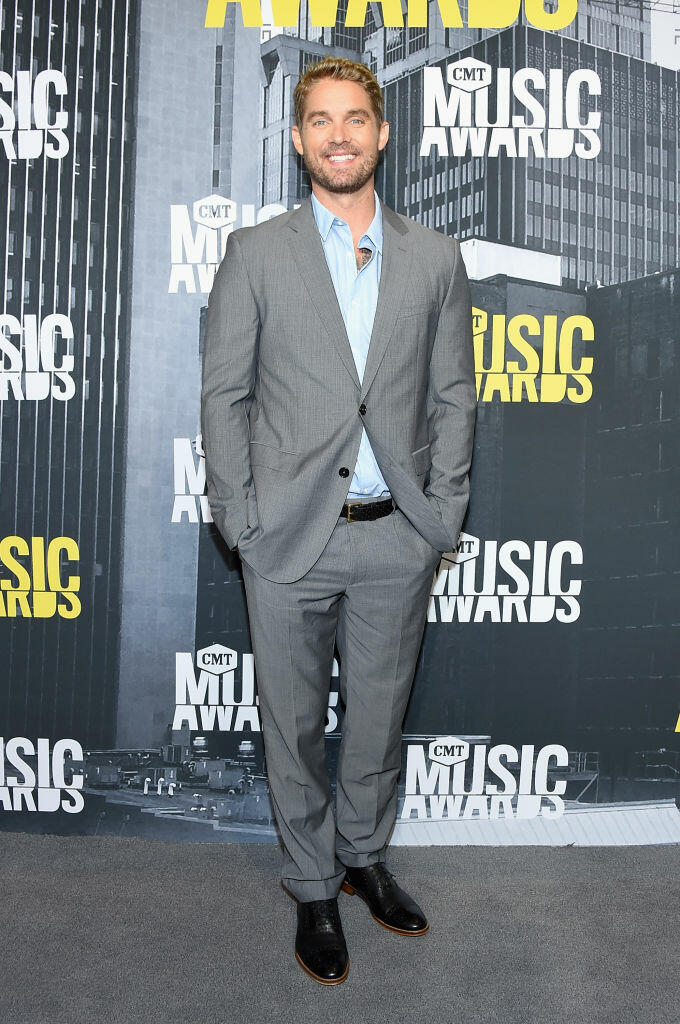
x=363 y=255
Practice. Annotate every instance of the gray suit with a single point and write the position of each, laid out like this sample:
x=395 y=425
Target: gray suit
x=281 y=415
x=274 y=329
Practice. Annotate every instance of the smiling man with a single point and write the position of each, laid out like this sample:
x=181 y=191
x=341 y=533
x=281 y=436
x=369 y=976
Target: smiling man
x=338 y=410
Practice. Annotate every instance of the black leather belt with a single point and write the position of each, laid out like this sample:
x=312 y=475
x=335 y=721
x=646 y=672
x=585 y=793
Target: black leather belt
x=357 y=511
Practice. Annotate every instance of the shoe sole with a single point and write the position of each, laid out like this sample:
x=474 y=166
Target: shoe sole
x=346 y=887
x=317 y=977
x=303 y=965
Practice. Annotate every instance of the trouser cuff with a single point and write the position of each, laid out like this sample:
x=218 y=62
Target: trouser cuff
x=320 y=889
x=361 y=860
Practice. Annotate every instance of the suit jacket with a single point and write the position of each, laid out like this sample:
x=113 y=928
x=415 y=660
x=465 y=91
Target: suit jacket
x=282 y=407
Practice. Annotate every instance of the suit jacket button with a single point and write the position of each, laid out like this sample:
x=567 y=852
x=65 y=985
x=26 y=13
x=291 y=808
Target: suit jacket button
x=362 y=408
x=343 y=471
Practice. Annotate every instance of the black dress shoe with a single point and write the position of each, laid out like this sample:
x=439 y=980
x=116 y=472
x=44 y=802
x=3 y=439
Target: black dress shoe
x=390 y=906
x=320 y=947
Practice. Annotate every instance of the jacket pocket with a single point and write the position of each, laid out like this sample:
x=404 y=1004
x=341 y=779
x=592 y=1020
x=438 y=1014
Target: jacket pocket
x=420 y=311
x=422 y=459
x=262 y=454
x=251 y=506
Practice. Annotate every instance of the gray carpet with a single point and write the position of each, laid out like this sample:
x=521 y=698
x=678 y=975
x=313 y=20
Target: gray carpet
x=102 y=930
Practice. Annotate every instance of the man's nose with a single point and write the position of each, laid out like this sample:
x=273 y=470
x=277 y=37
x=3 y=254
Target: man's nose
x=339 y=134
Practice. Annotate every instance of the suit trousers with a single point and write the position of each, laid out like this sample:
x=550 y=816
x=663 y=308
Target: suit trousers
x=368 y=592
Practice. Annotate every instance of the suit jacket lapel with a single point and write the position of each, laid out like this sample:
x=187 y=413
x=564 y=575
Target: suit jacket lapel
x=394 y=275
x=305 y=242
x=307 y=248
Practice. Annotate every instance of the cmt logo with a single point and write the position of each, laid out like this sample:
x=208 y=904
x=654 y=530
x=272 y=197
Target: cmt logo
x=480 y=13
x=198 y=240
x=190 y=500
x=214 y=212
x=38 y=589
x=531 y=115
x=217 y=659
x=32 y=372
x=448 y=750
x=31 y=122
x=469 y=74
x=544 y=368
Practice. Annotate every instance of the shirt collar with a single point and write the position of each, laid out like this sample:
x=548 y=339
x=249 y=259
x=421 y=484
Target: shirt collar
x=325 y=218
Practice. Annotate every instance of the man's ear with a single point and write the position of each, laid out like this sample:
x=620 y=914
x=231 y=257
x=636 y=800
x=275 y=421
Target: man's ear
x=297 y=138
x=383 y=135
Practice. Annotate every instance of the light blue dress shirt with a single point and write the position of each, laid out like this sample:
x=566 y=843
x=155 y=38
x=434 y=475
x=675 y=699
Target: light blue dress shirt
x=357 y=292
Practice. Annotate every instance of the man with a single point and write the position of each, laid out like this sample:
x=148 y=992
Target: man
x=338 y=412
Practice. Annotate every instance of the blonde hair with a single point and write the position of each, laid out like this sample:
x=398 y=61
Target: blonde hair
x=344 y=70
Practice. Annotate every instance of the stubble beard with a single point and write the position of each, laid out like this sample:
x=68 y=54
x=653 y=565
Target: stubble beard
x=361 y=171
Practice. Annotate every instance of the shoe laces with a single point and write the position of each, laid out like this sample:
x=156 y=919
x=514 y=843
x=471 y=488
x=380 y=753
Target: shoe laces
x=381 y=879
x=324 y=914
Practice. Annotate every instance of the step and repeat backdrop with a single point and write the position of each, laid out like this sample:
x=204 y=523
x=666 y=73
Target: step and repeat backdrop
x=135 y=135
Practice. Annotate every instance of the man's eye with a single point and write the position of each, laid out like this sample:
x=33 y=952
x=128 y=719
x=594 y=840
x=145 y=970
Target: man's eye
x=321 y=120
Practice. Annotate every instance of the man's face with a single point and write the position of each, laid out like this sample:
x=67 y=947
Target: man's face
x=340 y=138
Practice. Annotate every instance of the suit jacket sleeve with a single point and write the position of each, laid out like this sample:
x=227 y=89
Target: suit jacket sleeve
x=232 y=332
x=452 y=402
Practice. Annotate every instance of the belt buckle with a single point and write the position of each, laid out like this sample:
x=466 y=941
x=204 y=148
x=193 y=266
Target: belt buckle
x=349 y=511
